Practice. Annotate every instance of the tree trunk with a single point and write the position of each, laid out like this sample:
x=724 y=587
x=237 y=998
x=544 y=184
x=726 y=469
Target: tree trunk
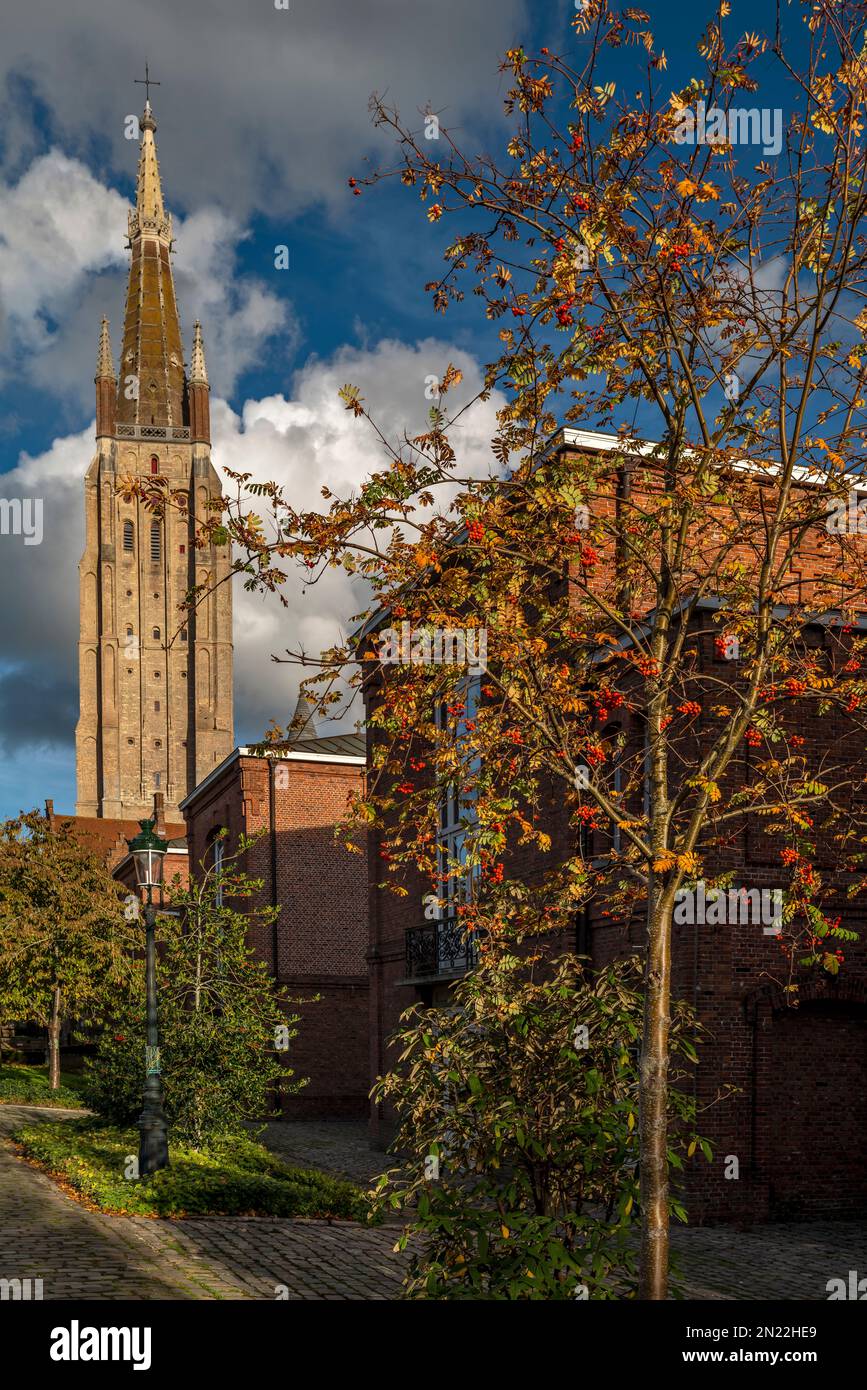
x=54 y=1043
x=653 y=1117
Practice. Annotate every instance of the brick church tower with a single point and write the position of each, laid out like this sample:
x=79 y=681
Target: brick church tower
x=155 y=683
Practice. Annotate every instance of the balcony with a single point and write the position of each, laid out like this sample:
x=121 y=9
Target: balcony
x=439 y=950
x=167 y=432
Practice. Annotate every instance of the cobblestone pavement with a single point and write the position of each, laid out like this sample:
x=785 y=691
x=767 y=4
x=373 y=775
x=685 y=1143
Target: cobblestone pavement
x=82 y=1254
x=786 y=1261
x=336 y=1146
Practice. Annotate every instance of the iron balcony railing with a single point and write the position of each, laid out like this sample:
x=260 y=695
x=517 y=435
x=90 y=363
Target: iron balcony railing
x=439 y=948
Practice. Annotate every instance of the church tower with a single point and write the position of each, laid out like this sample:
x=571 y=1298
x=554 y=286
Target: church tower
x=155 y=680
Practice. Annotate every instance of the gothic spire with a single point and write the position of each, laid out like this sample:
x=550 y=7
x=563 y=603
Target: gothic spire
x=303 y=722
x=151 y=384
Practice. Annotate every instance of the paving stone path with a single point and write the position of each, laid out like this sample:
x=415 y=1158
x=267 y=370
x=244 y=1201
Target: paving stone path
x=82 y=1254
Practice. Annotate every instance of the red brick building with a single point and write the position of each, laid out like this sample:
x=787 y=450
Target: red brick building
x=797 y=1123
x=294 y=794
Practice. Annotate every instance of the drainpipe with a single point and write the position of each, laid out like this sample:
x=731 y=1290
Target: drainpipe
x=272 y=823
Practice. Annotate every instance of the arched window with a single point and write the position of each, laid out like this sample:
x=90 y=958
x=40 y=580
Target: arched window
x=128 y=536
x=155 y=464
x=156 y=542
x=183 y=634
x=156 y=634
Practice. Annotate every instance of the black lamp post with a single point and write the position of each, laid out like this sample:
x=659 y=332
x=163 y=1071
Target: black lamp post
x=148 y=852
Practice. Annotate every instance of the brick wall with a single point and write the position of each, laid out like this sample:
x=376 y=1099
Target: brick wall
x=796 y=1121
x=317 y=946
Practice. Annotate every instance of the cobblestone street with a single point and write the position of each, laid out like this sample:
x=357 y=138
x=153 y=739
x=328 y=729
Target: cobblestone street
x=83 y=1254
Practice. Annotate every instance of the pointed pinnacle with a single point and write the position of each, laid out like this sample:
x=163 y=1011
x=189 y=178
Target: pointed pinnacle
x=150 y=213
x=198 y=370
x=104 y=362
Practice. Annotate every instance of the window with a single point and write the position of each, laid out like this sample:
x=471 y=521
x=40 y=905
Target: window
x=156 y=634
x=183 y=549
x=156 y=706
x=156 y=543
x=129 y=631
x=183 y=634
x=216 y=846
x=157 y=675
x=614 y=739
x=157 y=779
x=155 y=464
x=456 y=817
x=158 y=743
x=128 y=543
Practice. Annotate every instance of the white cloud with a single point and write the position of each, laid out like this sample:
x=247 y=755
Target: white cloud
x=63 y=264
x=57 y=225
x=311 y=441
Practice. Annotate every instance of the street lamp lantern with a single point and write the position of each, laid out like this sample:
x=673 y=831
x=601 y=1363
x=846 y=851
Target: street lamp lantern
x=148 y=852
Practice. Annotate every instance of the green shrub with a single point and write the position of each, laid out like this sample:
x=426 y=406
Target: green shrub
x=22 y=1085
x=518 y=1105
x=219 y=1012
x=234 y=1176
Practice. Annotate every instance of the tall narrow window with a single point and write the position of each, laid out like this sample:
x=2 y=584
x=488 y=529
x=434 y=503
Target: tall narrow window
x=127 y=536
x=217 y=847
x=457 y=815
x=156 y=542
x=156 y=634
x=155 y=464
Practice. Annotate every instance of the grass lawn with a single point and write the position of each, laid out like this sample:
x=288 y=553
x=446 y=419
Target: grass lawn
x=235 y=1177
x=21 y=1085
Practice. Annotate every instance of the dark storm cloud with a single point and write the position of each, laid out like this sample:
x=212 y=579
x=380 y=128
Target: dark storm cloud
x=267 y=108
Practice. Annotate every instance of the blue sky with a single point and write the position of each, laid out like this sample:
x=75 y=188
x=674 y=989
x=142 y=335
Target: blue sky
x=262 y=117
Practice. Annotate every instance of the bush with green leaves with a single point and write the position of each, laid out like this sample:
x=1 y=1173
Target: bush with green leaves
x=234 y=1176
x=221 y=1017
x=518 y=1136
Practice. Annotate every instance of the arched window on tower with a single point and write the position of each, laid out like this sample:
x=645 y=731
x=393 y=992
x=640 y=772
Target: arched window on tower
x=128 y=536
x=156 y=543
x=155 y=464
